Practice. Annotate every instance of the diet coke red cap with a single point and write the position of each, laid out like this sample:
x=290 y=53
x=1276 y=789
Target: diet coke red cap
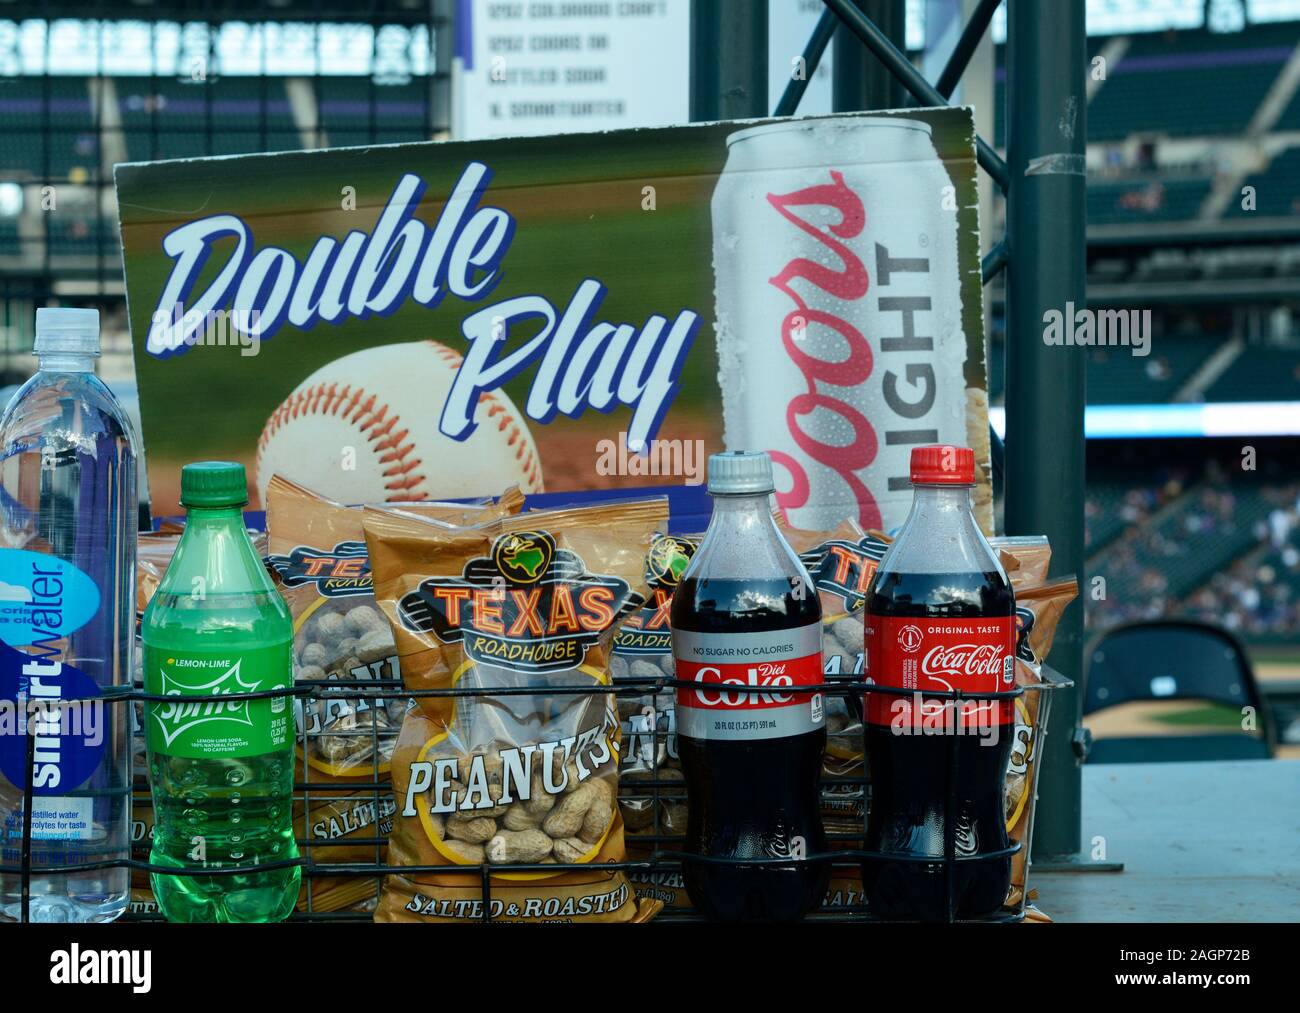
x=943 y=464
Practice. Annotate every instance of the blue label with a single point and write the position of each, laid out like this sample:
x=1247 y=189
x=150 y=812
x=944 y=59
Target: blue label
x=42 y=597
x=70 y=738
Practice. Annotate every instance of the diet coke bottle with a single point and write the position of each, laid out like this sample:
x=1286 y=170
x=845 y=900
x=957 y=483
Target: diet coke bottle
x=940 y=617
x=746 y=625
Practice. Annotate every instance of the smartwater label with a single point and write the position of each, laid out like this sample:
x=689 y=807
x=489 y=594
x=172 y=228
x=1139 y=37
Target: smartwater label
x=60 y=818
x=200 y=723
x=59 y=707
x=42 y=598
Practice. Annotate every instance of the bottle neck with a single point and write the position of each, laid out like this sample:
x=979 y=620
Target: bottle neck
x=940 y=504
x=206 y=516
x=940 y=535
x=738 y=513
x=215 y=553
x=743 y=542
x=66 y=362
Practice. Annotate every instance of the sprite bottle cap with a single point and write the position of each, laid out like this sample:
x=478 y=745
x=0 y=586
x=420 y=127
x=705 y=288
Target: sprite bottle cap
x=213 y=484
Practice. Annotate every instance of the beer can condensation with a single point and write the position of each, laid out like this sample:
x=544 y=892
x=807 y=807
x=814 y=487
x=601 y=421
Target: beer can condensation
x=839 y=316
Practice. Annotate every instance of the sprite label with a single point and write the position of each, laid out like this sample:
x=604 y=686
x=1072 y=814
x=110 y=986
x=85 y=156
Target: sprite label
x=201 y=723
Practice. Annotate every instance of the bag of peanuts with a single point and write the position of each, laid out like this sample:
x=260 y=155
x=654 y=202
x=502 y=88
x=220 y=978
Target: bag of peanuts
x=154 y=551
x=841 y=564
x=318 y=558
x=1038 y=610
x=643 y=652
x=510 y=757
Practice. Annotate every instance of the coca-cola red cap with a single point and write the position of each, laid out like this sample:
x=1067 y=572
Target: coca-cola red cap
x=943 y=464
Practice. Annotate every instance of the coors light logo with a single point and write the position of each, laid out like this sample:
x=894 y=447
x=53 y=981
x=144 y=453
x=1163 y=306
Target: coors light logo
x=839 y=310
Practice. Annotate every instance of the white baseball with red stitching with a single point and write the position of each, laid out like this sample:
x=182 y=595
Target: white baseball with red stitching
x=384 y=403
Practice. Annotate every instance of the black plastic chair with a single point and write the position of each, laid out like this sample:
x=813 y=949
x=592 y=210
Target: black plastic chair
x=1173 y=659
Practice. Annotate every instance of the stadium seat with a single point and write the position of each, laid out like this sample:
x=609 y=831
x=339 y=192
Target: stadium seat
x=1277 y=188
x=1154 y=200
x=357 y=110
x=1172 y=660
x=1161 y=86
x=222 y=116
x=1259 y=374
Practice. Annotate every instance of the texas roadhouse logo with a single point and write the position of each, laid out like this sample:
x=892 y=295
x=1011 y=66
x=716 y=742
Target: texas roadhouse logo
x=528 y=605
x=646 y=631
x=843 y=569
x=338 y=573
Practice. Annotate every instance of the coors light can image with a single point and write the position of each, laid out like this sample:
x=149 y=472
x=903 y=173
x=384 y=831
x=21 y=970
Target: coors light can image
x=839 y=312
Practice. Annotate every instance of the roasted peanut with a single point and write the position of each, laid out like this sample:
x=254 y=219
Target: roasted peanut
x=596 y=820
x=472 y=829
x=519 y=818
x=363 y=619
x=522 y=847
x=314 y=654
x=565 y=820
x=849 y=632
x=538 y=802
x=570 y=850
x=645 y=670
x=375 y=645
x=472 y=854
x=330 y=628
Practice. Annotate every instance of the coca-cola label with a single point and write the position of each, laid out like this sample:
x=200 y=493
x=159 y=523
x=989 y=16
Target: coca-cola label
x=943 y=656
x=744 y=686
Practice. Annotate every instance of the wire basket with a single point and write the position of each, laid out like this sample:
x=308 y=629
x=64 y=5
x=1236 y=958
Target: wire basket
x=342 y=863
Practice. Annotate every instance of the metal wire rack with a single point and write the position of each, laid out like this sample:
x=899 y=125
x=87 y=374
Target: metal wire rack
x=654 y=855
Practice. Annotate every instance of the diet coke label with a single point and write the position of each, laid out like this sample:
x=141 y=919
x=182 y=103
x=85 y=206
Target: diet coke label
x=945 y=656
x=743 y=685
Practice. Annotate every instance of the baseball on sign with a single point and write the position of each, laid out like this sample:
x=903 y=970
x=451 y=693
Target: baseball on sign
x=364 y=429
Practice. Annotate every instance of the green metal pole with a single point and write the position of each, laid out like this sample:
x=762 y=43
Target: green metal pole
x=1046 y=131
x=857 y=80
x=728 y=59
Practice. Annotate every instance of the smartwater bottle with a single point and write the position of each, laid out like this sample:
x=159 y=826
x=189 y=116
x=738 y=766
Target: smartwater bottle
x=67 y=605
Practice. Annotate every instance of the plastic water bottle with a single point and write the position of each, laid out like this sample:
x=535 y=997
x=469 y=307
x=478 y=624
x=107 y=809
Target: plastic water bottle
x=67 y=604
x=221 y=772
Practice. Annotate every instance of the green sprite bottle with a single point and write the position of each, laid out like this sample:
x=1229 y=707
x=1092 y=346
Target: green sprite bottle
x=221 y=773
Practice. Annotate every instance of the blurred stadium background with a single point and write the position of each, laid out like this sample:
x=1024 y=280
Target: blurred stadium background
x=1193 y=214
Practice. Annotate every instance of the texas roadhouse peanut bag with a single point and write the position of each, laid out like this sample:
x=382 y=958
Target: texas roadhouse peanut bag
x=318 y=557
x=643 y=650
x=525 y=774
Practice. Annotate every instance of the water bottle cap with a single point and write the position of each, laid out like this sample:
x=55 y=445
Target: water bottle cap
x=739 y=472
x=74 y=331
x=213 y=484
x=943 y=464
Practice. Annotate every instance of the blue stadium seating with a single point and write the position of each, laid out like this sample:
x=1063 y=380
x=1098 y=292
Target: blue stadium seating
x=1277 y=188
x=1190 y=83
x=1165 y=200
x=1259 y=374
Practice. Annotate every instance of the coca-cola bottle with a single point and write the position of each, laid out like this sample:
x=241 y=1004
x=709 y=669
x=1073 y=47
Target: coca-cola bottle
x=940 y=616
x=746 y=625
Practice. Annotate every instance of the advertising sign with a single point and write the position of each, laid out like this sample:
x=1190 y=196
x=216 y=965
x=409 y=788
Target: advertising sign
x=584 y=312
x=530 y=67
